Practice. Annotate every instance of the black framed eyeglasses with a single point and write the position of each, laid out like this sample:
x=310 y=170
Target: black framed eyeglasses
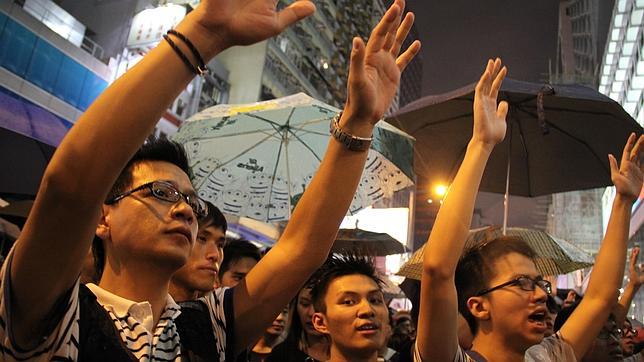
x=524 y=282
x=165 y=191
x=628 y=331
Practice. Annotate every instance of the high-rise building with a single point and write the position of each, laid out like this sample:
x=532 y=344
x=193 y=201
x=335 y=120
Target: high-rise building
x=583 y=25
x=622 y=79
x=580 y=42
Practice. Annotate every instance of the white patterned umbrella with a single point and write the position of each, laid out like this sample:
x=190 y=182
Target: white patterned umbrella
x=256 y=160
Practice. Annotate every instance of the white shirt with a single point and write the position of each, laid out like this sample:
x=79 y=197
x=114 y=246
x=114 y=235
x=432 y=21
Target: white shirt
x=133 y=321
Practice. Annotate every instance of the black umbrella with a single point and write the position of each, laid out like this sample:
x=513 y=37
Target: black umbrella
x=367 y=242
x=558 y=137
x=22 y=163
x=29 y=135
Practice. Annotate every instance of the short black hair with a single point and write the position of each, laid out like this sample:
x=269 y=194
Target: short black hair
x=475 y=269
x=338 y=265
x=235 y=250
x=214 y=218
x=154 y=149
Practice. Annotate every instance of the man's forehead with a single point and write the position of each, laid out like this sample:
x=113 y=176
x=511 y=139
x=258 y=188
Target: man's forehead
x=514 y=264
x=353 y=283
x=146 y=171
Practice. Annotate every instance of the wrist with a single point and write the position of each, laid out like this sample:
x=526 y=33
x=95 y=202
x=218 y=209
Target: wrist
x=208 y=42
x=624 y=200
x=357 y=126
x=481 y=147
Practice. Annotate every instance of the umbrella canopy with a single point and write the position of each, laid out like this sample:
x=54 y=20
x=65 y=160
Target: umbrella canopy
x=367 y=242
x=554 y=256
x=558 y=137
x=256 y=160
x=28 y=138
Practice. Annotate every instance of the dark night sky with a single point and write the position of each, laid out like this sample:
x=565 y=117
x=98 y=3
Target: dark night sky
x=459 y=35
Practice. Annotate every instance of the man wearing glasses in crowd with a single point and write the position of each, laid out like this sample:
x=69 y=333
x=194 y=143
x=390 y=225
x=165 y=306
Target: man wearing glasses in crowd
x=148 y=234
x=496 y=286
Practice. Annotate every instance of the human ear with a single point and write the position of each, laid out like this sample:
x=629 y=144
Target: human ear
x=103 y=227
x=319 y=323
x=478 y=307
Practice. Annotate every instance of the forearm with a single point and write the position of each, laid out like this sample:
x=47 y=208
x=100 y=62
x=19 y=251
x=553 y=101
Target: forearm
x=608 y=271
x=452 y=224
x=439 y=308
x=59 y=230
x=621 y=309
x=313 y=226
x=118 y=122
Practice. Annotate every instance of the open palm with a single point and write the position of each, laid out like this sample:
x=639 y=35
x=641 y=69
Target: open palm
x=243 y=22
x=375 y=69
x=489 y=119
x=628 y=177
x=635 y=270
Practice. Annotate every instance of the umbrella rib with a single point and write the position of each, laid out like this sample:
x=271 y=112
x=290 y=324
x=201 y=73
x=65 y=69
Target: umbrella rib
x=247 y=149
x=582 y=142
x=231 y=135
x=527 y=154
x=443 y=121
x=305 y=145
x=270 y=192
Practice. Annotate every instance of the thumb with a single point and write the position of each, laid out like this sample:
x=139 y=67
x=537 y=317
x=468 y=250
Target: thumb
x=614 y=170
x=295 y=12
x=502 y=110
x=356 y=65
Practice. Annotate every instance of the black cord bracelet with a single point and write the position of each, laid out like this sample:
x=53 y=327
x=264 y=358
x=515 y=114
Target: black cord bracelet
x=181 y=55
x=201 y=65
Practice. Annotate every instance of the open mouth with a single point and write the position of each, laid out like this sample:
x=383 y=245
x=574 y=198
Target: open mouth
x=368 y=327
x=538 y=318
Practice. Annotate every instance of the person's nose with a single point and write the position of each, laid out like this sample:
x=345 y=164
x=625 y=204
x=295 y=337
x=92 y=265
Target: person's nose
x=182 y=210
x=365 y=310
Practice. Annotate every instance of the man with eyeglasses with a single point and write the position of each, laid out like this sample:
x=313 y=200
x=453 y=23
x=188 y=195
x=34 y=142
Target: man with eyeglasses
x=496 y=286
x=148 y=234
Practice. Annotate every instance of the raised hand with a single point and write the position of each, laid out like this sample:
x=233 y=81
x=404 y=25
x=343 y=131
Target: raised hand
x=628 y=177
x=489 y=119
x=374 y=72
x=635 y=270
x=244 y=22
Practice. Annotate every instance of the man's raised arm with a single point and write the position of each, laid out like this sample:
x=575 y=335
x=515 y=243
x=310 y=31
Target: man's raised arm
x=437 y=322
x=374 y=75
x=48 y=256
x=587 y=320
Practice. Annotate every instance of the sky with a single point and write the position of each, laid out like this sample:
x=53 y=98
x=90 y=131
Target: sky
x=458 y=36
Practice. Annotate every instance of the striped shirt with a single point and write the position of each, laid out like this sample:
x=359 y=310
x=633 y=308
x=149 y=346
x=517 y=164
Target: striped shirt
x=133 y=321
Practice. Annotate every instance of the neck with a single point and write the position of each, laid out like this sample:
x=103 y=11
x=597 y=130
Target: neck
x=317 y=347
x=265 y=344
x=494 y=348
x=181 y=293
x=340 y=355
x=138 y=282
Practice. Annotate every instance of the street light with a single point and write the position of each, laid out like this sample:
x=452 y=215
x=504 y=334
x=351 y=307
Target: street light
x=440 y=190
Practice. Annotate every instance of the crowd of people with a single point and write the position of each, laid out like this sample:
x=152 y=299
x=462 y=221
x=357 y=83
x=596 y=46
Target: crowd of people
x=163 y=284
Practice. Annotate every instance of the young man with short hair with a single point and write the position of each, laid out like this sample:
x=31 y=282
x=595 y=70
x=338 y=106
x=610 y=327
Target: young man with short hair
x=350 y=308
x=148 y=222
x=240 y=256
x=198 y=275
x=507 y=309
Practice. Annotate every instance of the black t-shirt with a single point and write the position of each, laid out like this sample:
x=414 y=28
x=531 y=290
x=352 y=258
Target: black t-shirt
x=286 y=352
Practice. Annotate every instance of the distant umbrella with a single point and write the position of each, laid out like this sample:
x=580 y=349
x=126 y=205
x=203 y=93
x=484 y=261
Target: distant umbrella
x=554 y=256
x=367 y=242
